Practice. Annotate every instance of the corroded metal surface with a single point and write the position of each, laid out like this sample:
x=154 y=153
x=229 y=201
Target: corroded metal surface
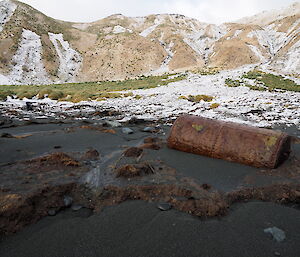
x=230 y=141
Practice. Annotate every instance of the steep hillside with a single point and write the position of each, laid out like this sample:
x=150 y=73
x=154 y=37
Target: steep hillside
x=27 y=51
x=35 y=48
x=278 y=37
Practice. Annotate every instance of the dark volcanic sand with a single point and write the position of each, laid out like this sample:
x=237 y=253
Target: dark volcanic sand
x=136 y=228
x=140 y=229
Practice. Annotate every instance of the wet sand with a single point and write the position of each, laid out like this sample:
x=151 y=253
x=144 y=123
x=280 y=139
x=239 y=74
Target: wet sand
x=113 y=225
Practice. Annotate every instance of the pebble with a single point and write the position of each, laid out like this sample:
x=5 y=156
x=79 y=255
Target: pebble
x=6 y=135
x=135 y=120
x=255 y=112
x=277 y=254
x=29 y=106
x=127 y=131
x=277 y=233
x=68 y=200
x=164 y=206
x=76 y=207
x=52 y=212
x=113 y=124
x=149 y=129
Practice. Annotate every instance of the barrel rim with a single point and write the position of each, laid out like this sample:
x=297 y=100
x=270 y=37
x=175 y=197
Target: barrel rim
x=281 y=150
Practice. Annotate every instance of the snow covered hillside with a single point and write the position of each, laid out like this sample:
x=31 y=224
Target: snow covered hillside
x=120 y=47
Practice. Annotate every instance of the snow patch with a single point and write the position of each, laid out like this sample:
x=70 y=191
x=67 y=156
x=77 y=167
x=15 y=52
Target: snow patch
x=235 y=103
x=202 y=42
x=290 y=62
x=269 y=40
x=273 y=40
x=138 y=21
x=4 y=80
x=293 y=27
x=164 y=68
x=70 y=60
x=119 y=29
x=28 y=67
x=237 y=33
x=159 y=20
x=7 y=9
x=258 y=53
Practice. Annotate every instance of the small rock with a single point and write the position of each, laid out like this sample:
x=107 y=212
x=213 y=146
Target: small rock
x=277 y=254
x=153 y=146
x=150 y=140
x=127 y=131
x=164 y=206
x=6 y=135
x=255 y=112
x=133 y=152
x=92 y=154
x=76 y=207
x=149 y=129
x=29 y=106
x=52 y=212
x=135 y=120
x=206 y=186
x=134 y=170
x=277 y=234
x=68 y=200
x=113 y=124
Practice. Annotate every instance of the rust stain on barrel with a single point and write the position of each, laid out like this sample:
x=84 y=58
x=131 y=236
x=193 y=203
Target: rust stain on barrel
x=230 y=141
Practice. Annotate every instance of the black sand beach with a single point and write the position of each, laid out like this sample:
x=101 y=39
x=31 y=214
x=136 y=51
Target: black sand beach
x=139 y=229
x=218 y=208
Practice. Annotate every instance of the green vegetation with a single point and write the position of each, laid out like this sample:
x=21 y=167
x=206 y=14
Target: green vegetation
x=264 y=81
x=239 y=83
x=138 y=97
x=77 y=92
x=272 y=81
x=5 y=94
x=214 y=106
x=233 y=83
x=197 y=98
x=206 y=71
x=183 y=97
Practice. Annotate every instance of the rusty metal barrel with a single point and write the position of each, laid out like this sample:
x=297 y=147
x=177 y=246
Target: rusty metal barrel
x=230 y=141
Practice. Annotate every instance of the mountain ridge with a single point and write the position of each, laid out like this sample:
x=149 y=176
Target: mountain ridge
x=266 y=17
x=120 y=47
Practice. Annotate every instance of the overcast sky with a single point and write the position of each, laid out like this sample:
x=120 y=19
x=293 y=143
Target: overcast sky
x=212 y=11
